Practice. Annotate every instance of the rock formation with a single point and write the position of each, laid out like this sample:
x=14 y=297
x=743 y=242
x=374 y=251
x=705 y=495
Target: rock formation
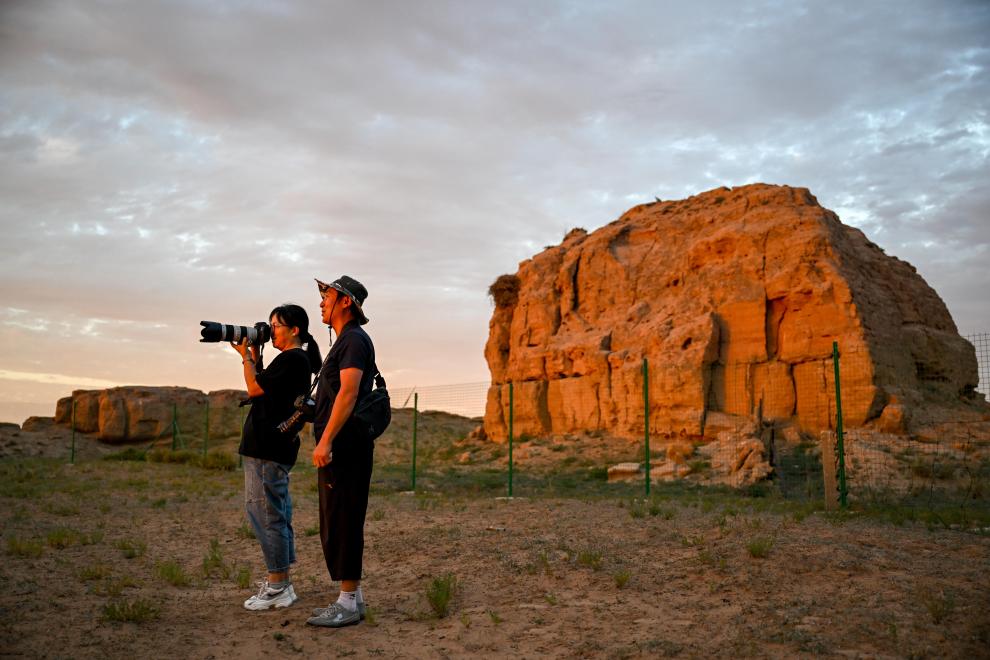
x=125 y=414
x=734 y=297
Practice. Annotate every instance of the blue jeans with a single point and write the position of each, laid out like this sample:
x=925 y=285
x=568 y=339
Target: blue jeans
x=269 y=510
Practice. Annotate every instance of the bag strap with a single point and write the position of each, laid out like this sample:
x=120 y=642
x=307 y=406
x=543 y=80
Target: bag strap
x=379 y=379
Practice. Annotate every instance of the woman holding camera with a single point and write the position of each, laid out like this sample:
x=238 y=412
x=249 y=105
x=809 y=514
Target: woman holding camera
x=269 y=454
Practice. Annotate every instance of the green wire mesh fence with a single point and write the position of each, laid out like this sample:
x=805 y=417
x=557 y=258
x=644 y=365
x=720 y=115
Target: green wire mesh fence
x=815 y=430
x=981 y=343
x=439 y=414
x=931 y=455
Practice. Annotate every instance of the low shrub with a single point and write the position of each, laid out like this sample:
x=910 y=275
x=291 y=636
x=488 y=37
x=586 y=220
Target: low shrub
x=128 y=454
x=440 y=592
x=214 y=460
x=699 y=466
x=95 y=572
x=657 y=510
x=370 y=616
x=23 y=547
x=243 y=577
x=173 y=573
x=131 y=611
x=115 y=586
x=939 y=605
x=213 y=563
x=593 y=559
x=759 y=547
x=218 y=460
x=131 y=548
x=165 y=455
x=63 y=537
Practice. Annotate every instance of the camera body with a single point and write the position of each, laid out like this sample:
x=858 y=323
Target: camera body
x=305 y=412
x=256 y=335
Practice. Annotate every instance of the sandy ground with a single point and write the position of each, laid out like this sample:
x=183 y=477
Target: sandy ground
x=536 y=577
x=688 y=574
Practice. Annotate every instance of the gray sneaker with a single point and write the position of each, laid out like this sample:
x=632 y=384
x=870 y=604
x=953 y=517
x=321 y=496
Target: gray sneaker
x=267 y=597
x=335 y=616
x=362 y=608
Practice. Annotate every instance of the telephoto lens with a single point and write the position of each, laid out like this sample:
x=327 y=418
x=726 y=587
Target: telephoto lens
x=257 y=334
x=305 y=412
x=292 y=425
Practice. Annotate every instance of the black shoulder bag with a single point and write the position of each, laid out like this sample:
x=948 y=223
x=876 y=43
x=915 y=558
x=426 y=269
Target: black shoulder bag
x=373 y=412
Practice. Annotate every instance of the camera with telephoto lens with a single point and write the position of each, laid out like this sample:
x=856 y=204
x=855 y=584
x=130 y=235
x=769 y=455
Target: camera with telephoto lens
x=256 y=335
x=305 y=412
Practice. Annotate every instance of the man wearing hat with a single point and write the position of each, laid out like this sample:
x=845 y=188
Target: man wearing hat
x=342 y=456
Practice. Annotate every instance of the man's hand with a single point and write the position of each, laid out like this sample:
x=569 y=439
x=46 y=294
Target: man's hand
x=343 y=406
x=322 y=455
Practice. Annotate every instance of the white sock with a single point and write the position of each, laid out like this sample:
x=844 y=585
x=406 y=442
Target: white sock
x=360 y=596
x=348 y=599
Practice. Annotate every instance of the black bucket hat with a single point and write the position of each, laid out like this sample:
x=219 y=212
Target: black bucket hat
x=351 y=288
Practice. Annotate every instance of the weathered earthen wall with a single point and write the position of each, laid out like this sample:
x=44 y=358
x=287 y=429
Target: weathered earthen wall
x=734 y=297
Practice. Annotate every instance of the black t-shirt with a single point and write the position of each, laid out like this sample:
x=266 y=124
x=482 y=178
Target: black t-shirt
x=352 y=350
x=285 y=378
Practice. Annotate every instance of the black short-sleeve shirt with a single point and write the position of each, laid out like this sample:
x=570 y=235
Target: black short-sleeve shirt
x=352 y=350
x=286 y=377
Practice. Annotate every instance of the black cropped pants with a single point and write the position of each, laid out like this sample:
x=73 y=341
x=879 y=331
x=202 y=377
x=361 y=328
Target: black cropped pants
x=344 y=486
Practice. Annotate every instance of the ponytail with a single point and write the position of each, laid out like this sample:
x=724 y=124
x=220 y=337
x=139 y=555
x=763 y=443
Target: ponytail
x=313 y=353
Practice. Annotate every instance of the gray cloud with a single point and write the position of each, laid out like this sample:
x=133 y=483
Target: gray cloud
x=162 y=162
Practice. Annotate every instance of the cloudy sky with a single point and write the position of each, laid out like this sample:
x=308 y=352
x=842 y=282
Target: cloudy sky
x=162 y=163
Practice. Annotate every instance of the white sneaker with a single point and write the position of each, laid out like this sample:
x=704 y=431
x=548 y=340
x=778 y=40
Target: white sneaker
x=267 y=597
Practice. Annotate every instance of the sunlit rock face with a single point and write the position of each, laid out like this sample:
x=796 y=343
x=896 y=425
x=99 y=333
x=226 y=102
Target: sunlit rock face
x=734 y=297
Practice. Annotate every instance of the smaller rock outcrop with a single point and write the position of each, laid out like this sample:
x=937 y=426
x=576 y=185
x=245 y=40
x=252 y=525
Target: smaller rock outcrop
x=136 y=413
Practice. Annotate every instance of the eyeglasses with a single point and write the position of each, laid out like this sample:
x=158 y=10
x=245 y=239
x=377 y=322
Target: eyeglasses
x=280 y=325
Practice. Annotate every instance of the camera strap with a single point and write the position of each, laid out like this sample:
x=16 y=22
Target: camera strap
x=319 y=373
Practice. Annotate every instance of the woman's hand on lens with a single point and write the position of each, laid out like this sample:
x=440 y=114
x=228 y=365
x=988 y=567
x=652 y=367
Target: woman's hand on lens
x=240 y=348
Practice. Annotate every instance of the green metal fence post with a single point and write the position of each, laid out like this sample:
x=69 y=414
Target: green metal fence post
x=646 y=421
x=839 y=444
x=510 y=438
x=206 y=429
x=175 y=427
x=72 y=453
x=415 y=425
